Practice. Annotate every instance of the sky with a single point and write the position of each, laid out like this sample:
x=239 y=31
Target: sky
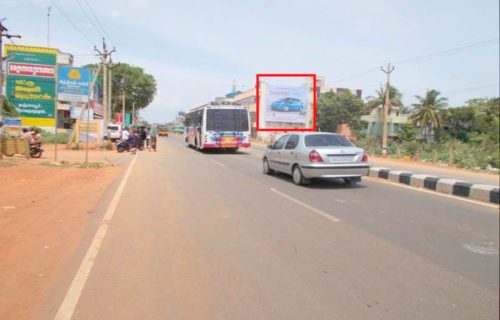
x=197 y=49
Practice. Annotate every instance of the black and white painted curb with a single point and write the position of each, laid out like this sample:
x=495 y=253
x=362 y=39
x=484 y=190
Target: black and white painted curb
x=481 y=192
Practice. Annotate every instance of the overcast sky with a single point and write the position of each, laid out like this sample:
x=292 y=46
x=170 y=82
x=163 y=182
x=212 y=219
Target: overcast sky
x=196 y=48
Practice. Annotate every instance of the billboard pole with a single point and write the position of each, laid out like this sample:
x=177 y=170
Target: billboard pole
x=56 y=116
x=80 y=117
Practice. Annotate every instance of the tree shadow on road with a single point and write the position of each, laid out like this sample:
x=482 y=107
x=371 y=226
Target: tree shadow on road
x=322 y=183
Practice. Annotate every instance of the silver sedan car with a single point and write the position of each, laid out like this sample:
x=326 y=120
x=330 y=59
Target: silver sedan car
x=307 y=155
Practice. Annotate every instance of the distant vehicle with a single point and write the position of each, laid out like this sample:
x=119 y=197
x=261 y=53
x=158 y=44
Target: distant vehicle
x=163 y=131
x=316 y=155
x=217 y=126
x=287 y=104
x=114 y=132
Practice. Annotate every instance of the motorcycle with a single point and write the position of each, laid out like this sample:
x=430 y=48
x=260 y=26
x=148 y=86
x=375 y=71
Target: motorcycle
x=36 y=150
x=122 y=145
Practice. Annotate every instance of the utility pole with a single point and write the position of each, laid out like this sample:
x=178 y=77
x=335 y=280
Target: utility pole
x=123 y=109
x=387 y=105
x=48 y=27
x=3 y=33
x=105 y=55
x=132 y=117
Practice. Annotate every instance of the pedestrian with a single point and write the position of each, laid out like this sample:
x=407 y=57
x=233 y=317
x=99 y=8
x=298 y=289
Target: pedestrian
x=148 y=139
x=26 y=134
x=134 y=142
x=153 y=134
x=142 y=137
x=125 y=134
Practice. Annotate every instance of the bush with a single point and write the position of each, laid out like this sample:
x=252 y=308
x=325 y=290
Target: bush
x=50 y=137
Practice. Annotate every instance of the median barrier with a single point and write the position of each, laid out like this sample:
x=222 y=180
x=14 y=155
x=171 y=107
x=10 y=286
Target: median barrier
x=481 y=192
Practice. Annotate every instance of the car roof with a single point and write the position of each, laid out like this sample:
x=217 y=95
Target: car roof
x=312 y=133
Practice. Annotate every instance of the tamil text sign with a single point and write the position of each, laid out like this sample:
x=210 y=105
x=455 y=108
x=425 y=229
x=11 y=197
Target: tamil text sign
x=73 y=84
x=30 y=84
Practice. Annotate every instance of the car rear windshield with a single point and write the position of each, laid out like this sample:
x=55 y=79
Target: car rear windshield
x=114 y=127
x=227 y=119
x=326 y=140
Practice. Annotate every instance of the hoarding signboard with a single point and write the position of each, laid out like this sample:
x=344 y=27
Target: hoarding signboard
x=287 y=104
x=73 y=84
x=30 y=84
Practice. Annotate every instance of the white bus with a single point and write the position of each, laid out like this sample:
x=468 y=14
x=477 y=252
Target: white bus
x=217 y=125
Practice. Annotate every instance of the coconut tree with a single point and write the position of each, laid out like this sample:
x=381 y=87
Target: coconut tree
x=395 y=98
x=427 y=111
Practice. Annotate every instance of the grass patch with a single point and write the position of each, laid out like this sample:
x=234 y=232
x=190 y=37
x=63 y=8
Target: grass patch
x=66 y=164
x=7 y=163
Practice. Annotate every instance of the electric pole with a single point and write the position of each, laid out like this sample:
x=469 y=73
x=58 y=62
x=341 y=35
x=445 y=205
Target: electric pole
x=105 y=57
x=123 y=108
x=387 y=105
x=48 y=27
x=3 y=33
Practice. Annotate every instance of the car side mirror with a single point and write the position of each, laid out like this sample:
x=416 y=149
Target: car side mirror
x=269 y=146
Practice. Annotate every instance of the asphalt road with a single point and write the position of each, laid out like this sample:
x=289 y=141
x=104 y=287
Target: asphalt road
x=208 y=236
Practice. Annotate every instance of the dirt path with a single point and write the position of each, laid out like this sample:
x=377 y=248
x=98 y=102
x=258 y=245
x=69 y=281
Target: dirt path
x=43 y=213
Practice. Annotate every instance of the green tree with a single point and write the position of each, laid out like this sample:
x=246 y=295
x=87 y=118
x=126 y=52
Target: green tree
x=139 y=87
x=339 y=108
x=426 y=114
x=9 y=110
x=395 y=98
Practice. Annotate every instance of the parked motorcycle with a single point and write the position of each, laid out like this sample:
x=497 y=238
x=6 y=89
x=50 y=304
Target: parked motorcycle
x=122 y=145
x=36 y=150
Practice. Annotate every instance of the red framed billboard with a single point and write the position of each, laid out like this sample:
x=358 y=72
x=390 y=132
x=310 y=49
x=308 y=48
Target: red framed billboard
x=285 y=75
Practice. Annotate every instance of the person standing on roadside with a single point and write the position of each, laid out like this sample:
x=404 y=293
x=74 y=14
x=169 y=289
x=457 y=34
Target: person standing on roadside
x=153 y=133
x=125 y=134
x=142 y=137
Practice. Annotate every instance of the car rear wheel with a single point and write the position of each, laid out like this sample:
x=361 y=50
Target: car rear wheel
x=298 y=177
x=265 y=167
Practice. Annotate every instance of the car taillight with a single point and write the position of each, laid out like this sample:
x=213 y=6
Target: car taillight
x=364 y=158
x=315 y=157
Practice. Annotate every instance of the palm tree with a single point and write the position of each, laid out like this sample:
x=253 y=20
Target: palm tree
x=395 y=99
x=427 y=111
x=9 y=110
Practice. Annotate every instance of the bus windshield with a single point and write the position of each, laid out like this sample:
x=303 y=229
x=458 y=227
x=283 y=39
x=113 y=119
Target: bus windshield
x=227 y=119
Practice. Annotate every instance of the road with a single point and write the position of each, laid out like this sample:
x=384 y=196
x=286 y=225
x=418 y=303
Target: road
x=208 y=236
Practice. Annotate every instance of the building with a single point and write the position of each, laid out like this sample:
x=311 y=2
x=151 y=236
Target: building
x=375 y=122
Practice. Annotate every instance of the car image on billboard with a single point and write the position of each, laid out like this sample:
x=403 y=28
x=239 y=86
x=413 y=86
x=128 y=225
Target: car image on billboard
x=287 y=105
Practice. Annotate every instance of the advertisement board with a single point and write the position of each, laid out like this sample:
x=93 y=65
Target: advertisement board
x=30 y=84
x=73 y=84
x=94 y=129
x=287 y=104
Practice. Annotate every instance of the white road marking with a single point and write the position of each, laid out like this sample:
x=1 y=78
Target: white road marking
x=218 y=163
x=67 y=307
x=305 y=205
x=483 y=250
x=491 y=205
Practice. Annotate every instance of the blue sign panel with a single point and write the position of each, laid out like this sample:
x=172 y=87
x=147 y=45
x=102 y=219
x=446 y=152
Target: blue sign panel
x=73 y=84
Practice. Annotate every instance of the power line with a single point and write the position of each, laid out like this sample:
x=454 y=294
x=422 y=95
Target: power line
x=451 y=51
x=71 y=21
x=98 y=21
x=88 y=18
x=427 y=56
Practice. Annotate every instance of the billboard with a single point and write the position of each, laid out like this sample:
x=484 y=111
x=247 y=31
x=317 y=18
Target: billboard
x=31 y=84
x=286 y=104
x=73 y=84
